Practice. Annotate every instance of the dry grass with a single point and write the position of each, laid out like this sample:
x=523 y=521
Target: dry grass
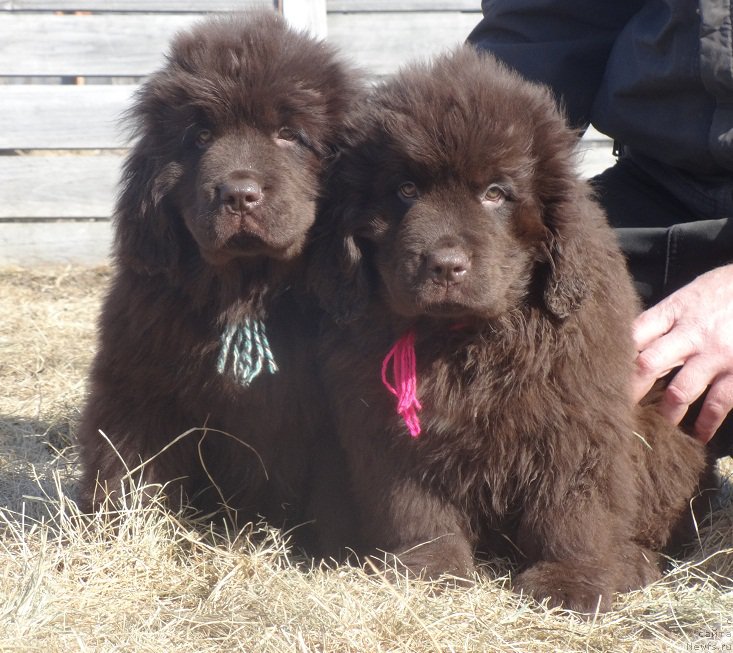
x=153 y=582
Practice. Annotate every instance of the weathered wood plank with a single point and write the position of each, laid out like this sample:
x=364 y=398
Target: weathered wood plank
x=595 y=152
x=47 y=117
x=78 y=243
x=193 y=6
x=64 y=186
x=381 y=42
x=404 y=5
x=133 y=45
x=105 y=45
x=119 y=45
x=594 y=157
x=309 y=15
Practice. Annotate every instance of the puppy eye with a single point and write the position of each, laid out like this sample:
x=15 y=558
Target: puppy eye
x=287 y=134
x=494 y=194
x=204 y=137
x=408 y=191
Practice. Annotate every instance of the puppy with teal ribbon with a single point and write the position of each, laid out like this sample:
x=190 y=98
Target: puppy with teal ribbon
x=204 y=389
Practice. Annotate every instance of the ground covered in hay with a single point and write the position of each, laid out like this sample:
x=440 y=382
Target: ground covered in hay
x=154 y=582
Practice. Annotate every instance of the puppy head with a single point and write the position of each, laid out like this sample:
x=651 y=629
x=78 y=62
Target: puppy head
x=232 y=135
x=456 y=197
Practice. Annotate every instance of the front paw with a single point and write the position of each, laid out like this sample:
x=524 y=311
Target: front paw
x=577 y=587
x=639 y=567
x=448 y=558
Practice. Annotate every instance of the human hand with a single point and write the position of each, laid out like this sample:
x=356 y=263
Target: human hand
x=692 y=328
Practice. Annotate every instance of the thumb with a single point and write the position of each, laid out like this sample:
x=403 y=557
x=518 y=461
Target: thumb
x=653 y=323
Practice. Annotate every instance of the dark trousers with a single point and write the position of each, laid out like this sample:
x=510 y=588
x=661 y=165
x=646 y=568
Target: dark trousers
x=667 y=243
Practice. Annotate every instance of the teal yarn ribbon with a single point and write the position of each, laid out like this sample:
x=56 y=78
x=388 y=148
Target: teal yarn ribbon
x=245 y=348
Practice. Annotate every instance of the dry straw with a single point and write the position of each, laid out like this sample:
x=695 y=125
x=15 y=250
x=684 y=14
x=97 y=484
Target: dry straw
x=146 y=580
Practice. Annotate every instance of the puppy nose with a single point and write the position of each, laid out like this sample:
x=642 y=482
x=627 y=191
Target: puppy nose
x=240 y=194
x=450 y=265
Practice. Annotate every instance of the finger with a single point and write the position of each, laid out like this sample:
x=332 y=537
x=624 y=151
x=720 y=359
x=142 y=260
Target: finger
x=659 y=358
x=687 y=385
x=639 y=388
x=718 y=403
x=653 y=323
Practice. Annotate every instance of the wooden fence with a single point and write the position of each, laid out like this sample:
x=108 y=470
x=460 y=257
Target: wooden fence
x=68 y=69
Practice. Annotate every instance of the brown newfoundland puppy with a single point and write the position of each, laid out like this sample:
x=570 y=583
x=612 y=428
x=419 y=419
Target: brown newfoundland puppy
x=204 y=381
x=479 y=355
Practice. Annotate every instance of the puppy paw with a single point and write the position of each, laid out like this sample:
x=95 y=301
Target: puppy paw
x=639 y=567
x=574 y=587
x=437 y=559
x=431 y=564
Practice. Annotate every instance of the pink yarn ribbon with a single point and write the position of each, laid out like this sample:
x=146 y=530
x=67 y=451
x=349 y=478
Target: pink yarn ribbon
x=404 y=373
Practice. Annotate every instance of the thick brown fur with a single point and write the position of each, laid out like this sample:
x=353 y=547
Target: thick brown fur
x=457 y=212
x=233 y=136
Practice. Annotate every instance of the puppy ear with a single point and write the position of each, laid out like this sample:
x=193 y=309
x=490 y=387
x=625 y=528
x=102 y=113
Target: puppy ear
x=147 y=237
x=574 y=247
x=565 y=286
x=337 y=272
x=566 y=208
